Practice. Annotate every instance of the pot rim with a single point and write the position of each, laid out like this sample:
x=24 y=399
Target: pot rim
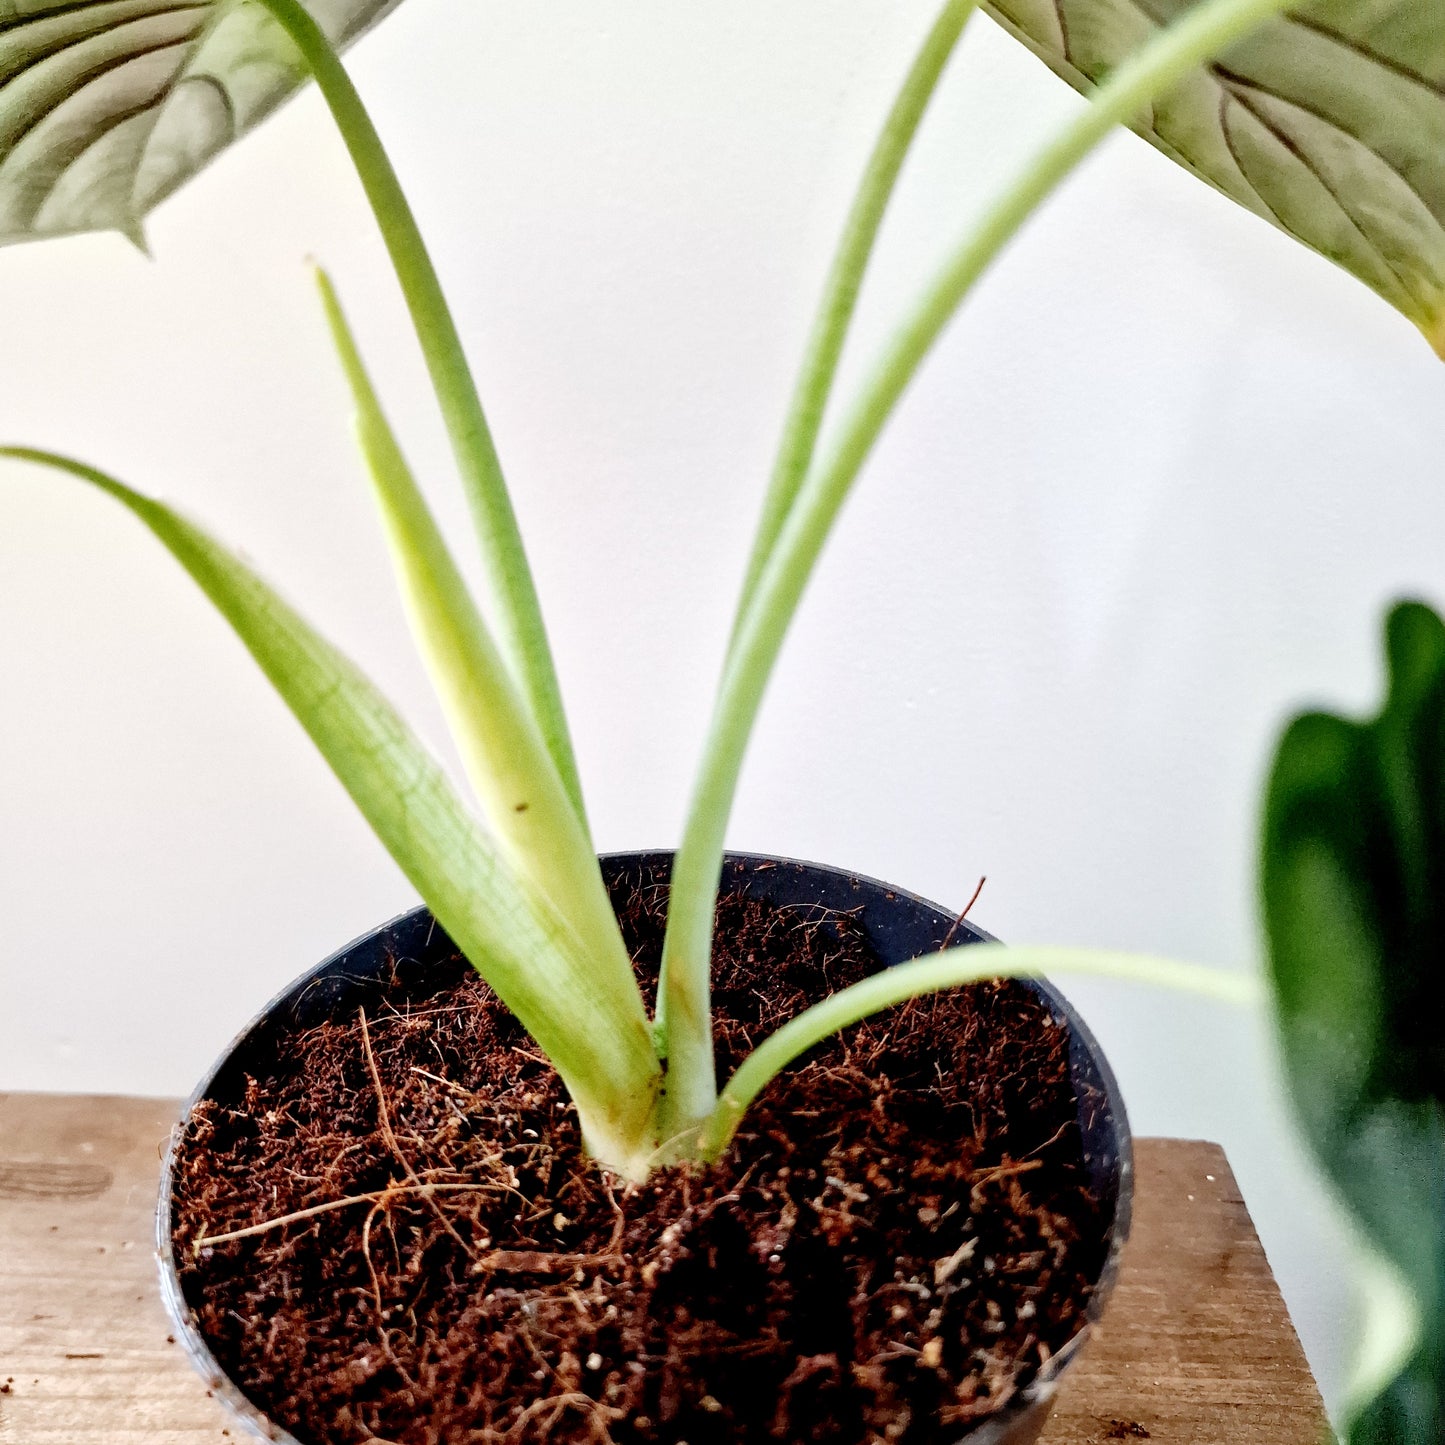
x=1034 y=1398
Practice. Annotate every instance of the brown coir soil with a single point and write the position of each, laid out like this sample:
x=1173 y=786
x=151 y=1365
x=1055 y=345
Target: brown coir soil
x=901 y=1235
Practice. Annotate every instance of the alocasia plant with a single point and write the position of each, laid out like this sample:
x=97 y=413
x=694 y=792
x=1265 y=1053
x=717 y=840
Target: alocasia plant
x=522 y=897
x=1328 y=123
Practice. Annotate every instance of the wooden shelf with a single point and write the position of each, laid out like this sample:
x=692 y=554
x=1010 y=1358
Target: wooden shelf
x=1196 y=1347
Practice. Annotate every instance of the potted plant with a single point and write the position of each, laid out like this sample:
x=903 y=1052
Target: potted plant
x=635 y=1094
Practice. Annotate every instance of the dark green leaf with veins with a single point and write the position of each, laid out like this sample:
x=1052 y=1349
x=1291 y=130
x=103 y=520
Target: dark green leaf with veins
x=1354 y=904
x=106 y=106
x=1330 y=123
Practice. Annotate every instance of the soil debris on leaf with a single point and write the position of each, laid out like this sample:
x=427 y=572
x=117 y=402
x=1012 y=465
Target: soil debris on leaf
x=901 y=1236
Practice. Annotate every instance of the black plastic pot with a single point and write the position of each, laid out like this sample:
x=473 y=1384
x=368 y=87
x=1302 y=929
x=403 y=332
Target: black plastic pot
x=417 y=960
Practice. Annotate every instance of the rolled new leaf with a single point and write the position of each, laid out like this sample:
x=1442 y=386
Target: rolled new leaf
x=595 y=1032
x=1354 y=908
x=502 y=748
x=1328 y=122
x=107 y=106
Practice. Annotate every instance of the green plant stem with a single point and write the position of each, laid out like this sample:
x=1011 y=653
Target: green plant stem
x=845 y=280
x=691 y=1087
x=685 y=1034
x=967 y=963
x=519 y=622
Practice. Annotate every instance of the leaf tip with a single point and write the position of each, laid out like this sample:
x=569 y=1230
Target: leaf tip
x=1432 y=328
x=134 y=232
x=321 y=279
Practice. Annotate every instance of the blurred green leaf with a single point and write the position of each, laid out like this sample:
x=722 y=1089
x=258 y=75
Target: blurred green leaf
x=1330 y=123
x=106 y=106
x=1354 y=909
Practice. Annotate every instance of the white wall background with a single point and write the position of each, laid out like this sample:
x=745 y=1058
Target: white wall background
x=1151 y=494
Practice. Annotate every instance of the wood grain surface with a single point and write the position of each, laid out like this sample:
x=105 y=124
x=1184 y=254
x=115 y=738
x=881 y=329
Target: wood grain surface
x=1196 y=1347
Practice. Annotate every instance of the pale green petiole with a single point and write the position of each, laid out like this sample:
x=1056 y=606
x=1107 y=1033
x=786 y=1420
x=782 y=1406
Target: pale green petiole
x=845 y=279
x=685 y=1006
x=967 y=963
x=595 y=1032
x=514 y=595
x=504 y=755
x=691 y=1090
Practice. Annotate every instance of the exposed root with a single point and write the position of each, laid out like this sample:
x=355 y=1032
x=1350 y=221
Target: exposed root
x=384 y=1120
x=296 y=1216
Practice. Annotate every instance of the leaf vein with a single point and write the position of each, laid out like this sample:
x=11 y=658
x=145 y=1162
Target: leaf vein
x=1366 y=52
x=110 y=31
x=1240 y=88
x=1226 y=98
x=99 y=75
